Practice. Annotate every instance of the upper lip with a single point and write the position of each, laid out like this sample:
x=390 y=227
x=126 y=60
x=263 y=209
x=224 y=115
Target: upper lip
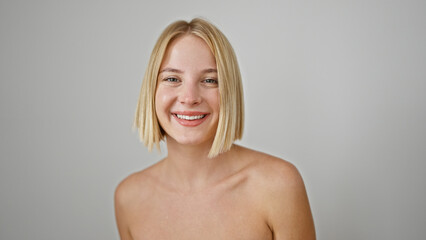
x=190 y=113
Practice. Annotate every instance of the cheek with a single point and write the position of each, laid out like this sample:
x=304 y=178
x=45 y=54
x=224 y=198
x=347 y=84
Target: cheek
x=163 y=100
x=215 y=101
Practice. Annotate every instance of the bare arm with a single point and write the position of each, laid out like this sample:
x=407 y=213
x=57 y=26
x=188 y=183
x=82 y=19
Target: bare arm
x=289 y=213
x=120 y=203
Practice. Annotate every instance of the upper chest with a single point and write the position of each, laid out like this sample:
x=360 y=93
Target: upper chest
x=228 y=211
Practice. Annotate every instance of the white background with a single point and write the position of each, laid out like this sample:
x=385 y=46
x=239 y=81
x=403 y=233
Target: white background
x=335 y=87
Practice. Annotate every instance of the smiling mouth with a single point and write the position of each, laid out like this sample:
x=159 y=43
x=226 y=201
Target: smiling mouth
x=190 y=118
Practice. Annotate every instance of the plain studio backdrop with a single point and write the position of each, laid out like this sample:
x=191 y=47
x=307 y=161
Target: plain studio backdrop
x=335 y=87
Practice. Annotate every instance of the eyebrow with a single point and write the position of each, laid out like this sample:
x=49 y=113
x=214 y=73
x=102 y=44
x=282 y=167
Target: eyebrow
x=171 y=70
x=208 y=70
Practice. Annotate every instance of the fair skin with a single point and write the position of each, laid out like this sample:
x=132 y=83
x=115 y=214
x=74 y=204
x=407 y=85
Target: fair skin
x=240 y=194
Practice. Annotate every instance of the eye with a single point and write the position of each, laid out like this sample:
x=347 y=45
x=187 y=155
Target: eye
x=171 y=79
x=210 y=81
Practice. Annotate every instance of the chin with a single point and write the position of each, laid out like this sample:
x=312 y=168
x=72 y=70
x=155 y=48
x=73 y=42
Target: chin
x=192 y=140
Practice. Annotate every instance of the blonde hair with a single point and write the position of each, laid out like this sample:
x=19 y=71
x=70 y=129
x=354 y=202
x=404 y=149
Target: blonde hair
x=231 y=114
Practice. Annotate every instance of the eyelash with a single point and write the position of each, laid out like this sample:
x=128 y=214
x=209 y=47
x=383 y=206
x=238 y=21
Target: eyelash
x=171 y=78
x=213 y=81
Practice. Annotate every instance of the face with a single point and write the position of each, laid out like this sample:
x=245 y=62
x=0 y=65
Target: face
x=187 y=95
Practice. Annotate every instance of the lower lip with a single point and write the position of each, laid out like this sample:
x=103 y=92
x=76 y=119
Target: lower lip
x=190 y=123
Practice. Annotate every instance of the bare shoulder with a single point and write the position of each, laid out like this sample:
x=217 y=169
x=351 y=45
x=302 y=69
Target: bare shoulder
x=135 y=187
x=129 y=194
x=272 y=171
x=282 y=195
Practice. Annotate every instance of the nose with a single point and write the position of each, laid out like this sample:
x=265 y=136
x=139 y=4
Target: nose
x=189 y=94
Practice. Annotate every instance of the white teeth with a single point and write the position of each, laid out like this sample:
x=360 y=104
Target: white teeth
x=189 y=117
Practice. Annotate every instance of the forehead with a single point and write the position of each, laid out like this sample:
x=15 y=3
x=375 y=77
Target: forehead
x=188 y=52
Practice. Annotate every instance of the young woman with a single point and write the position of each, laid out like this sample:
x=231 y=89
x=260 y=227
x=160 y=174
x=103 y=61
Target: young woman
x=207 y=187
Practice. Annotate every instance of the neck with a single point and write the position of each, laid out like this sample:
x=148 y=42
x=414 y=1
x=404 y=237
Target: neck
x=189 y=169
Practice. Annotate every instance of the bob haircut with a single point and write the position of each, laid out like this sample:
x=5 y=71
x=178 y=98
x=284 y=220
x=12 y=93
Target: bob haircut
x=231 y=114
